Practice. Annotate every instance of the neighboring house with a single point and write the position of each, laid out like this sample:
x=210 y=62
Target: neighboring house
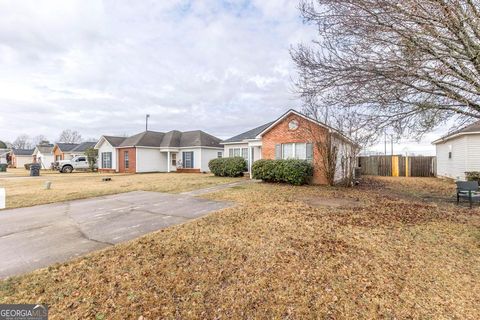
x=4 y=151
x=293 y=135
x=43 y=154
x=66 y=151
x=20 y=157
x=459 y=152
x=152 y=151
x=107 y=154
x=62 y=151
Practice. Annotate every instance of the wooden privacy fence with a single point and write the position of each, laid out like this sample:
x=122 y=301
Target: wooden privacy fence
x=398 y=166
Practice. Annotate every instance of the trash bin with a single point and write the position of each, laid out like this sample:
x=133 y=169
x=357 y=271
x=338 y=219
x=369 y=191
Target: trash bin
x=35 y=170
x=3 y=167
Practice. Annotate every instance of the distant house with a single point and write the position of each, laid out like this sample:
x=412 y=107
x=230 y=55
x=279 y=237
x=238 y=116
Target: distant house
x=43 y=154
x=152 y=151
x=458 y=152
x=62 y=151
x=291 y=136
x=20 y=157
x=66 y=151
x=4 y=151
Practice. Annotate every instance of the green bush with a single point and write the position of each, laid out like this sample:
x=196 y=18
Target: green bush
x=473 y=175
x=228 y=167
x=292 y=171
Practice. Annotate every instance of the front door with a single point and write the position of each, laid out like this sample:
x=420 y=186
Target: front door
x=188 y=160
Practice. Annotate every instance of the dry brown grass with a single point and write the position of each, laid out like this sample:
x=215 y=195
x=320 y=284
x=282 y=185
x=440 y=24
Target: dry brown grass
x=275 y=256
x=28 y=191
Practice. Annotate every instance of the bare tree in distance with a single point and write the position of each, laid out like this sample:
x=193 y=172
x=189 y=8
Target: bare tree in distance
x=70 y=136
x=22 y=142
x=408 y=65
x=39 y=139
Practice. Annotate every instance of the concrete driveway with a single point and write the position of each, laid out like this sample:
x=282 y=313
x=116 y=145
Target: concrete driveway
x=37 y=237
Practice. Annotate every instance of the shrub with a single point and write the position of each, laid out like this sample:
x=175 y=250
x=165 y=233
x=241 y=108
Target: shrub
x=228 y=167
x=292 y=171
x=473 y=175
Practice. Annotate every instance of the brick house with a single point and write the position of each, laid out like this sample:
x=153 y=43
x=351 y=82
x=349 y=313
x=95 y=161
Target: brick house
x=152 y=151
x=66 y=151
x=292 y=135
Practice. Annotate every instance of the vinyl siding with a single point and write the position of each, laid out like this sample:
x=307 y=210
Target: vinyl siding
x=105 y=147
x=151 y=160
x=207 y=155
x=456 y=166
x=473 y=152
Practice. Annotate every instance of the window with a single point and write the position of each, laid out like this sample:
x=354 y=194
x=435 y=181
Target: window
x=81 y=159
x=174 y=159
x=188 y=160
x=106 y=160
x=219 y=154
x=238 y=152
x=450 y=155
x=302 y=151
x=126 y=159
x=58 y=157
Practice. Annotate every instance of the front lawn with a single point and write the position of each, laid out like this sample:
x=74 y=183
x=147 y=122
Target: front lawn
x=376 y=251
x=27 y=191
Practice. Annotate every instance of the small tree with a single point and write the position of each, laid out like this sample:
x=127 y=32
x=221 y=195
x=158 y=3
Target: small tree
x=92 y=157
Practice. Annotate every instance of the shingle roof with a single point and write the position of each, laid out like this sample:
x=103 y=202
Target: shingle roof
x=66 y=147
x=84 y=146
x=172 y=139
x=45 y=148
x=22 y=152
x=474 y=127
x=199 y=138
x=250 y=134
x=114 y=141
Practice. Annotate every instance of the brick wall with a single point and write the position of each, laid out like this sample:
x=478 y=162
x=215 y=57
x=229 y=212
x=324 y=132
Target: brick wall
x=132 y=156
x=58 y=152
x=307 y=131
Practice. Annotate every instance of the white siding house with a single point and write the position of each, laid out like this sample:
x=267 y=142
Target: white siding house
x=43 y=154
x=107 y=154
x=152 y=151
x=459 y=152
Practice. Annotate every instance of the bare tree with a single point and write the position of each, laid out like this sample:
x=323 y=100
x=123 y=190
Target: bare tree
x=39 y=139
x=70 y=136
x=410 y=65
x=337 y=150
x=22 y=142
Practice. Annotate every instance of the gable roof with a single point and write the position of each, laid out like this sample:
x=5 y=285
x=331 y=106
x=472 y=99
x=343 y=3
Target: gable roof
x=114 y=141
x=84 y=146
x=171 y=139
x=22 y=152
x=259 y=131
x=469 y=129
x=44 y=148
x=248 y=135
x=66 y=147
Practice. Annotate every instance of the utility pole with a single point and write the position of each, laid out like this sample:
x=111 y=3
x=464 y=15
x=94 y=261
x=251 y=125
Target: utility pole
x=385 y=143
x=146 y=122
x=392 y=144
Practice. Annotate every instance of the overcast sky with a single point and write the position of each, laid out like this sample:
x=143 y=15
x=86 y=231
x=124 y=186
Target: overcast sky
x=99 y=66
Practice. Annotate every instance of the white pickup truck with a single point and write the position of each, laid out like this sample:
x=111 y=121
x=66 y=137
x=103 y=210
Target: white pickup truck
x=76 y=163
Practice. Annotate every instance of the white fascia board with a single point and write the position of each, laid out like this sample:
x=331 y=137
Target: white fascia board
x=454 y=136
